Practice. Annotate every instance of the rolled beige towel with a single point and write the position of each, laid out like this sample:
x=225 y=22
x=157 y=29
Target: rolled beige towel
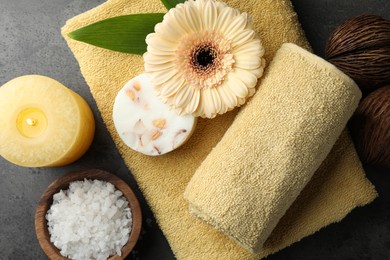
x=274 y=146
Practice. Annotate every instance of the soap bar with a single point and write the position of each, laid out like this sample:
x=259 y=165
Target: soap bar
x=43 y=123
x=145 y=123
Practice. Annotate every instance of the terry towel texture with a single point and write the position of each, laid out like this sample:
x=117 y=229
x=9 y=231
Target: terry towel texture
x=274 y=146
x=336 y=189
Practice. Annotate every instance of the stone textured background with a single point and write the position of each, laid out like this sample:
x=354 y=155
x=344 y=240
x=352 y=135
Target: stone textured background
x=30 y=43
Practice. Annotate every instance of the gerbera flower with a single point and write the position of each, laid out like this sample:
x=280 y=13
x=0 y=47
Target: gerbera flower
x=204 y=58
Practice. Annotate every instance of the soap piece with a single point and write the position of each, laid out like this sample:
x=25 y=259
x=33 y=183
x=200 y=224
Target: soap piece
x=145 y=123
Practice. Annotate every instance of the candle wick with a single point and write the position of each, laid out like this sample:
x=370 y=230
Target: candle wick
x=31 y=121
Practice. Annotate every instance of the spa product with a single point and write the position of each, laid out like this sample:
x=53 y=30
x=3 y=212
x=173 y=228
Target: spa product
x=145 y=123
x=276 y=143
x=370 y=128
x=90 y=220
x=360 y=47
x=43 y=123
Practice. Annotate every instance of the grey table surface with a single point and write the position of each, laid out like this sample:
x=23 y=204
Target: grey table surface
x=30 y=43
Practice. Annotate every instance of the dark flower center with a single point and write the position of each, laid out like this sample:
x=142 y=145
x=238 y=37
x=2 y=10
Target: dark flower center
x=204 y=57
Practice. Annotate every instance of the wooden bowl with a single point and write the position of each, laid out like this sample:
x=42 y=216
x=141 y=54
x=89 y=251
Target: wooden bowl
x=63 y=183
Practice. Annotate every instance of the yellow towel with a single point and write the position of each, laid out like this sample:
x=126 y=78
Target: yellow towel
x=274 y=146
x=163 y=179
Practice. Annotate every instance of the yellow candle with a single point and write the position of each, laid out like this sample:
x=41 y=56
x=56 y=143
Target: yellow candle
x=43 y=123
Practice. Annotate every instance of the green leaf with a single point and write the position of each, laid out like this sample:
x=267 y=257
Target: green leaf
x=122 y=33
x=171 y=3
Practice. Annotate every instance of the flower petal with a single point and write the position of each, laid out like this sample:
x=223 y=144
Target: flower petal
x=183 y=96
x=241 y=101
x=165 y=28
x=216 y=99
x=193 y=17
x=236 y=85
x=259 y=71
x=253 y=47
x=210 y=15
x=181 y=19
x=194 y=103
x=247 y=62
x=155 y=51
x=211 y=101
x=224 y=19
x=161 y=42
x=223 y=109
x=242 y=37
x=160 y=77
x=227 y=96
x=172 y=86
x=200 y=110
x=236 y=24
x=251 y=92
x=208 y=105
x=163 y=66
x=239 y=34
x=249 y=79
x=157 y=59
x=220 y=6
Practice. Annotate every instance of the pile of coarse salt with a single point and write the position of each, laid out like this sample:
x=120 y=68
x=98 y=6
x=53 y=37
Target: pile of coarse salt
x=90 y=220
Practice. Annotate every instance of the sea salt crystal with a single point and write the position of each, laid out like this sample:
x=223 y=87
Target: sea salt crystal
x=90 y=220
